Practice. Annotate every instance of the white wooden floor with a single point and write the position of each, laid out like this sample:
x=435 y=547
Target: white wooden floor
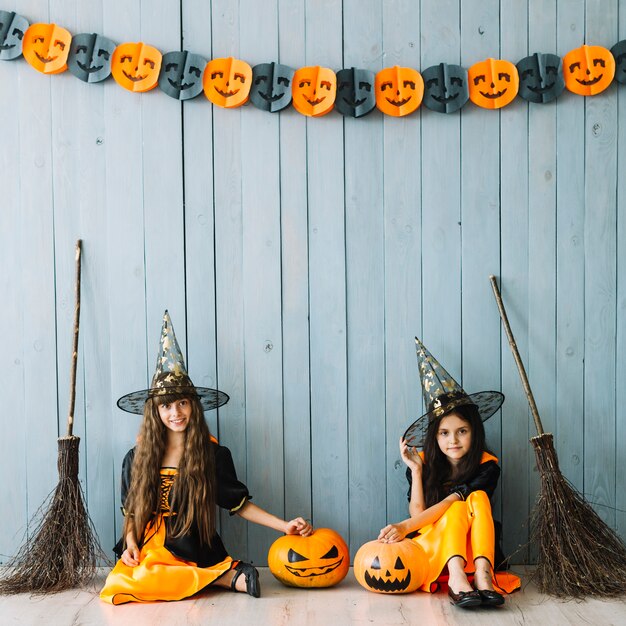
x=347 y=603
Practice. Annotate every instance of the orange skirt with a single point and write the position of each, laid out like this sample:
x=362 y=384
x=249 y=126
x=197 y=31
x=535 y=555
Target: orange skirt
x=160 y=575
x=465 y=530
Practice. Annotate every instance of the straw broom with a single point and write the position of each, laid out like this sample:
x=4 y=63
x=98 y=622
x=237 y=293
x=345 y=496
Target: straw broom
x=63 y=548
x=579 y=555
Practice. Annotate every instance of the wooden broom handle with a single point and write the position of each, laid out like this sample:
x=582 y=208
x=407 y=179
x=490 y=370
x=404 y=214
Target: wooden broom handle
x=70 y=416
x=516 y=356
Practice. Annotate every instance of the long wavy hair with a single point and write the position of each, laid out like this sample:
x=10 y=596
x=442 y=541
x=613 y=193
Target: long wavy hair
x=437 y=468
x=193 y=493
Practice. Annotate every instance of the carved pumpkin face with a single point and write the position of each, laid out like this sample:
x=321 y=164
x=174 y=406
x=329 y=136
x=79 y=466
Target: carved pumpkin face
x=445 y=88
x=588 y=70
x=227 y=82
x=135 y=66
x=320 y=560
x=271 y=86
x=619 y=54
x=314 y=90
x=355 y=92
x=181 y=74
x=540 y=78
x=90 y=57
x=12 y=29
x=399 y=90
x=390 y=567
x=46 y=47
x=493 y=83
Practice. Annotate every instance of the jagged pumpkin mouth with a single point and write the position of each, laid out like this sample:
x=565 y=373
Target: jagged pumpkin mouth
x=307 y=572
x=390 y=585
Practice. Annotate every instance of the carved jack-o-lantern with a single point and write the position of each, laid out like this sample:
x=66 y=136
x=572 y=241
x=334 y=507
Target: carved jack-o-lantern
x=46 y=47
x=540 y=78
x=90 y=57
x=588 y=70
x=181 y=74
x=619 y=54
x=227 y=82
x=319 y=560
x=493 y=83
x=271 y=86
x=314 y=90
x=399 y=90
x=135 y=66
x=390 y=567
x=12 y=29
x=445 y=87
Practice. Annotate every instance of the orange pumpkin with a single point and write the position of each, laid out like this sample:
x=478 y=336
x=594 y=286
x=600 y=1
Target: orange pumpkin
x=399 y=90
x=319 y=560
x=227 y=82
x=588 y=70
x=314 y=90
x=390 y=567
x=136 y=66
x=46 y=47
x=493 y=83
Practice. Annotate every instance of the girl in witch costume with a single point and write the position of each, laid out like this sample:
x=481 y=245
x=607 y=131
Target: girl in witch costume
x=450 y=484
x=171 y=481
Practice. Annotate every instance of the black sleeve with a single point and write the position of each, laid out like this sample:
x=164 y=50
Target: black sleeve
x=232 y=494
x=485 y=479
x=127 y=465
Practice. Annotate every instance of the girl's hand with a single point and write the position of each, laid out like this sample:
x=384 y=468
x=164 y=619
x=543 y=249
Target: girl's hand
x=392 y=533
x=130 y=556
x=410 y=456
x=299 y=526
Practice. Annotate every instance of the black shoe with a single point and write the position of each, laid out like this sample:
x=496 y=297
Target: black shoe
x=490 y=597
x=253 y=586
x=465 y=599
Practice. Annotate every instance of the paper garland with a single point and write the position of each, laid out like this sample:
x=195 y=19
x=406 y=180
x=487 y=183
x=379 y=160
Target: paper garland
x=314 y=91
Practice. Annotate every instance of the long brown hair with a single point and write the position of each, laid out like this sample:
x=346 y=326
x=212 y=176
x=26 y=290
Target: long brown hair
x=193 y=492
x=437 y=467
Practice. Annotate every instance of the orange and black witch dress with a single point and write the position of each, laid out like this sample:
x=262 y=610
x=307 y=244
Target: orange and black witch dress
x=466 y=529
x=173 y=568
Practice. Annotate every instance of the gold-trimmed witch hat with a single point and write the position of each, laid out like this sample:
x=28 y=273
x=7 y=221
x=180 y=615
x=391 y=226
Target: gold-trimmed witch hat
x=442 y=394
x=171 y=377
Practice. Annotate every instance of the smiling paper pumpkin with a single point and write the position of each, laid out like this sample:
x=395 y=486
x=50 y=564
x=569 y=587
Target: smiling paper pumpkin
x=619 y=54
x=540 y=78
x=314 y=90
x=355 y=92
x=588 y=70
x=493 y=83
x=46 y=47
x=12 y=29
x=135 y=66
x=227 y=82
x=445 y=87
x=181 y=74
x=271 y=86
x=90 y=57
x=399 y=90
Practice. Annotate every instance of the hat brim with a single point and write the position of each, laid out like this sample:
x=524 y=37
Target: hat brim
x=209 y=398
x=487 y=403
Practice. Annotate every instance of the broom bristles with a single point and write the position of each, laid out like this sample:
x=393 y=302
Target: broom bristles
x=63 y=549
x=579 y=554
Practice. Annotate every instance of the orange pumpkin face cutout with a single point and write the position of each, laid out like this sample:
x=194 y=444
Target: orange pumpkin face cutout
x=399 y=90
x=493 y=83
x=588 y=70
x=135 y=66
x=314 y=90
x=46 y=47
x=227 y=82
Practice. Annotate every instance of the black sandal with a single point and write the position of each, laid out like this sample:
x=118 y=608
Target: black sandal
x=253 y=586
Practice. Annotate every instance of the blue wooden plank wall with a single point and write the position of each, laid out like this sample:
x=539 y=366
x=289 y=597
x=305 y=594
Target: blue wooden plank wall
x=300 y=256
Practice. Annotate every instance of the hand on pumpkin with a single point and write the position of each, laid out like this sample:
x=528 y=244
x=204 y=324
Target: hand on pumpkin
x=298 y=526
x=410 y=456
x=392 y=533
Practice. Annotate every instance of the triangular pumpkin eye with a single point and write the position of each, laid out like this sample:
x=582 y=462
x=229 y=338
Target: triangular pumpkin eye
x=375 y=563
x=294 y=557
x=333 y=553
x=399 y=564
